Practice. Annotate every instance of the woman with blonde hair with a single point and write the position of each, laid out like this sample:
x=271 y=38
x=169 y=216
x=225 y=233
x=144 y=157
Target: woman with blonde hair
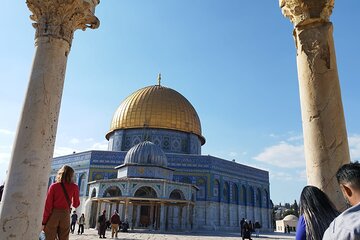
x=60 y=196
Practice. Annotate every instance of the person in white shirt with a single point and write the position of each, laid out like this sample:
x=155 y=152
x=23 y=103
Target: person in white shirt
x=347 y=224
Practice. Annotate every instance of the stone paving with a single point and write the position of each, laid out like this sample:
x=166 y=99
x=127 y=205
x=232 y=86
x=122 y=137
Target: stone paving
x=91 y=234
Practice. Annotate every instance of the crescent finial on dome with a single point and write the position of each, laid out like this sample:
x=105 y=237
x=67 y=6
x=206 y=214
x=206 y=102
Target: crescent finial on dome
x=159 y=79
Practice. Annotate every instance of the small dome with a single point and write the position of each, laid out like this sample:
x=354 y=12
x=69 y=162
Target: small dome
x=291 y=218
x=146 y=153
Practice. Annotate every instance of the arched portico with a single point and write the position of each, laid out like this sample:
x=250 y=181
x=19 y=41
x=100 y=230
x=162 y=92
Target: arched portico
x=143 y=206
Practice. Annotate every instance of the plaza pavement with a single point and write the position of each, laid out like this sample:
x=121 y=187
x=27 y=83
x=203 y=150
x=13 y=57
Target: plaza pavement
x=91 y=234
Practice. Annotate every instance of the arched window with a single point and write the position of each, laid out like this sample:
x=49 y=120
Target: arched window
x=82 y=185
x=235 y=194
x=226 y=192
x=216 y=190
x=201 y=184
x=258 y=198
x=112 y=191
x=243 y=195
x=251 y=199
x=266 y=198
x=145 y=192
x=177 y=194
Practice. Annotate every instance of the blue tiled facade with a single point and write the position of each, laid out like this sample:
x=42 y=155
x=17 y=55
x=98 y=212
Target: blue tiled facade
x=218 y=180
x=170 y=141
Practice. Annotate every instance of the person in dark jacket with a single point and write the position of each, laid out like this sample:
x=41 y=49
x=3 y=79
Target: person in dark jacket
x=115 y=223
x=241 y=226
x=74 y=218
x=125 y=226
x=246 y=231
x=102 y=225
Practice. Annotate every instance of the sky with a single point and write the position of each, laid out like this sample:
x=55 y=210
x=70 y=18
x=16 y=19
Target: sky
x=235 y=61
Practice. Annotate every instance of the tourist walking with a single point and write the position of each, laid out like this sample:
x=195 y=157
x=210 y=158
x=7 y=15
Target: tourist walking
x=81 y=223
x=102 y=225
x=246 y=231
x=74 y=218
x=241 y=226
x=60 y=196
x=251 y=226
x=115 y=223
x=316 y=213
x=347 y=224
x=257 y=227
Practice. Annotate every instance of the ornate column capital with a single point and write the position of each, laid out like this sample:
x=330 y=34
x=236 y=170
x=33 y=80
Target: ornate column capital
x=61 y=18
x=303 y=12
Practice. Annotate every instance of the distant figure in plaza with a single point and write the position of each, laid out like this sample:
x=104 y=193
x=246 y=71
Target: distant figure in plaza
x=251 y=227
x=246 y=231
x=81 y=223
x=60 y=196
x=347 y=224
x=102 y=224
x=74 y=218
x=125 y=226
x=288 y=228
x=241 y=226
x=316 y=213
x=115 y=223
x=257 y=227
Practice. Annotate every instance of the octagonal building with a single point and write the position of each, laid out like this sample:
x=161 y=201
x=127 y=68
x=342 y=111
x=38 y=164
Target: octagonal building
x=154 y=150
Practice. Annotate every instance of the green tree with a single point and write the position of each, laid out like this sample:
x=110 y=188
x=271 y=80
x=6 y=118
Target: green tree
x=295 y=207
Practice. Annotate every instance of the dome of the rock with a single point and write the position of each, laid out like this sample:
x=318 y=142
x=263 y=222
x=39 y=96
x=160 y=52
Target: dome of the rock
x=157 y=107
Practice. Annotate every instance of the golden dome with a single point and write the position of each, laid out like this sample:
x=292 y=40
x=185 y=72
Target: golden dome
x=157 y=107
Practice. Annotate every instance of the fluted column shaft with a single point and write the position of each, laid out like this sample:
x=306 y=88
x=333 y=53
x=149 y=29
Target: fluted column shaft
x=27 y=179
x=325 y=137
x=162 y=217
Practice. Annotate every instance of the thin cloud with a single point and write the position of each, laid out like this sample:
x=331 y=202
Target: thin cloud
x=295 y=138
x=100 y=145
x=6 y=132
x=5 y=157
x=302 y=175
x=284 y=155
x=354 y=145
x=233 y=154
x=281 y=176
x=74 y=141
x=61 y=151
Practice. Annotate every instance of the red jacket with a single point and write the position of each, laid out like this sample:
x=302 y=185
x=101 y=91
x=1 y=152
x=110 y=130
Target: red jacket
x=55 y=198
x=115 y=219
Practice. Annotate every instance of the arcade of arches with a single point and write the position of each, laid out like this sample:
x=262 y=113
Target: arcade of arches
x=169 y=208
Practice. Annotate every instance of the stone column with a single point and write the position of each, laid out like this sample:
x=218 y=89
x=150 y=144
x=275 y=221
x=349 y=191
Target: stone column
x=151 y=226
x=138 y=209
x=122 y=211
x=130 y=216
x=98 y=212
x=126 y=210
x=162 y=217
x=325 y=137
x=187 y=219
x=29 y=169
x=180 y=217
x=193 y=218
